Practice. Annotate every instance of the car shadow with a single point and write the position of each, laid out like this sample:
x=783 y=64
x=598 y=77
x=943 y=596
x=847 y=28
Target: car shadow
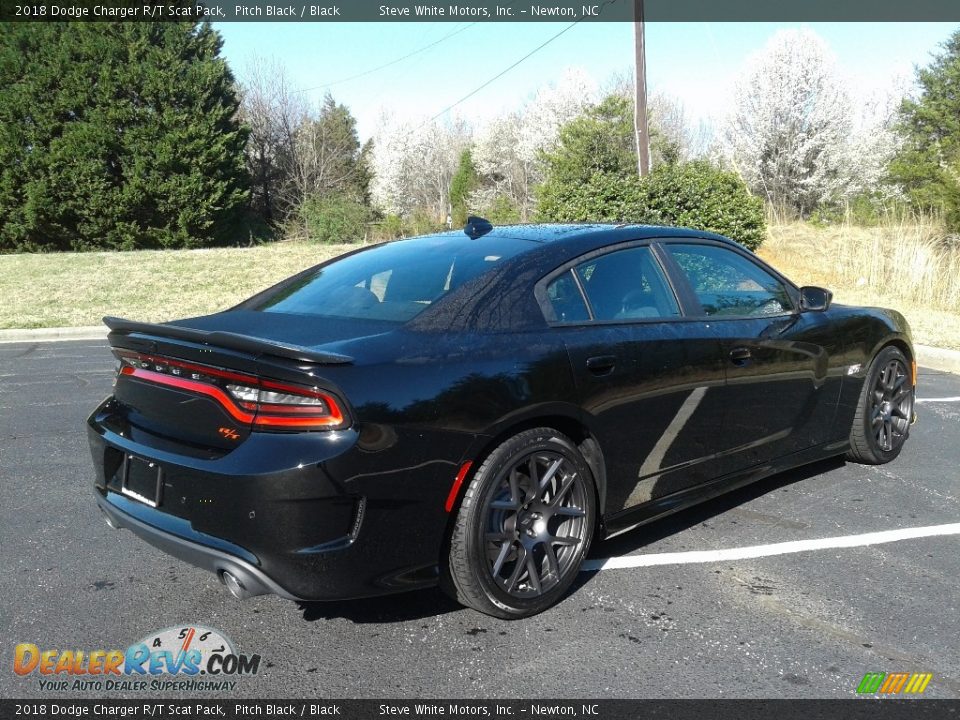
x=402 y=607
x=685 y=519
x=431 y=602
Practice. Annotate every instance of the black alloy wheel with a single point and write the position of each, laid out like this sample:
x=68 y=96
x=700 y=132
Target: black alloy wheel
x=524 y=526
x=882 y=423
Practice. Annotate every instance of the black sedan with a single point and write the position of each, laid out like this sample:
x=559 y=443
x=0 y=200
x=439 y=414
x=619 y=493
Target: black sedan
x=474 y=408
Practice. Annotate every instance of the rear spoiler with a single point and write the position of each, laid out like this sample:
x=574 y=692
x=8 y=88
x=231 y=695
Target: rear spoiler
x=228 y=340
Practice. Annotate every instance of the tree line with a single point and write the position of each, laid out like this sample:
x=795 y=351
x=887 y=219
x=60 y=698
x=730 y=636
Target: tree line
x=137 y=135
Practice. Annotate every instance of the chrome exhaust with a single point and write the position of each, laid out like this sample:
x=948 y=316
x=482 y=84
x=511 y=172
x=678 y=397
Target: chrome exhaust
x=109 y=520
x=234 y=585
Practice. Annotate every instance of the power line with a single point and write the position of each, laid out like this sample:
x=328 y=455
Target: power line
x=500 y=74
x=505 y=71
x=392 y=62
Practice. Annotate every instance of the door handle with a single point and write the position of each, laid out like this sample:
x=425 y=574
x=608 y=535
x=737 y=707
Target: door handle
x=602 y=364
x=740 y=356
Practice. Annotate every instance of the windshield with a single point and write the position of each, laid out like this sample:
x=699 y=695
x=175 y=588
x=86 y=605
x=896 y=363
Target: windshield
x=393 y=282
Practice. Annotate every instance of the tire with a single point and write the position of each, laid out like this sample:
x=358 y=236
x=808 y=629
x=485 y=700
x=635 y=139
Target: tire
x=513 y=551
x=885 y=410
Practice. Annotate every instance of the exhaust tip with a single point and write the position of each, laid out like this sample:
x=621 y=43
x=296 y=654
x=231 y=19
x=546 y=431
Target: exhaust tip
x=234 y=585
x=109 y=520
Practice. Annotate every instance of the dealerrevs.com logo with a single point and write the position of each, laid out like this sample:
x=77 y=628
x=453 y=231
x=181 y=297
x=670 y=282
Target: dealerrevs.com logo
x=190 y=658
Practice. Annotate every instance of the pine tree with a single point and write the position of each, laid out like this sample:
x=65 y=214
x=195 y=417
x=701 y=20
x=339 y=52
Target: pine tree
x=119 y=135
x=463 y=183
x=928 y=164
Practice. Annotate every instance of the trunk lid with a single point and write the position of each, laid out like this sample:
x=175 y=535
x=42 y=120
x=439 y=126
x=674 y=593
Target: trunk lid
x=211 y=381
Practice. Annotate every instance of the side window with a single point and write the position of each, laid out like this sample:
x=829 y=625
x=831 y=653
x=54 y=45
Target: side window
x=567 y=302
x=627 y=285
x=726 y=283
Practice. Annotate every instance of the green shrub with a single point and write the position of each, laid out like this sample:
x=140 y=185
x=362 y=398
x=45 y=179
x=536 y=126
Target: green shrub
x=502 y=211
x=422 y=222
x=334 y=219
x=390 y=227
x=604 y=197
x=697 y=195
x=701 y=196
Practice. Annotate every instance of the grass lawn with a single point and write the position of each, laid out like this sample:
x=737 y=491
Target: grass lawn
x=894 y=266
x=890 y=266
x=73 y=289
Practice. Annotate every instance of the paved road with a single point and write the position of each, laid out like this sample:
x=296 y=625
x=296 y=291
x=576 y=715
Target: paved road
x=808 y=624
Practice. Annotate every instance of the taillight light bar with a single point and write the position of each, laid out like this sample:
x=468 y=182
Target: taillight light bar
x=248 y=399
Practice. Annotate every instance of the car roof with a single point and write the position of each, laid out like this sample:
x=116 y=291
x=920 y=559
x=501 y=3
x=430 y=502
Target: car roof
x=593 y=235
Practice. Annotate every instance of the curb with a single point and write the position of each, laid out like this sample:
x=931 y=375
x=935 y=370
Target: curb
x=927 y=356
x=91 y=332
x=938 y=358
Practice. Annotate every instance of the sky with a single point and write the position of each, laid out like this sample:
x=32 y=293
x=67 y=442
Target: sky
x=694 y=62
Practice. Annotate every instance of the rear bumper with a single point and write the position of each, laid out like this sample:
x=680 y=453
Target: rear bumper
x=307 y=516
x=252 y=581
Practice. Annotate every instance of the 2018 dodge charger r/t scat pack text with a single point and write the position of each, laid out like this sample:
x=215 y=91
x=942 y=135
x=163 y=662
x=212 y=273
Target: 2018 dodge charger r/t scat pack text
x=473 y=408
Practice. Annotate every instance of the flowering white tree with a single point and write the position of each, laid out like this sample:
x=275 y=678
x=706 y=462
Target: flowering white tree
x=875 y=141
x=792 y=120
x=507 y=151
x=413 y=164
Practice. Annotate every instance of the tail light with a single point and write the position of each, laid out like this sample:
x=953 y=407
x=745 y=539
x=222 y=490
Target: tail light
x=248 y=399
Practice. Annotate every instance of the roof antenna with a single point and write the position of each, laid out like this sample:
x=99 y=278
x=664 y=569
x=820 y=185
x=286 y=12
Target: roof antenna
x=477 y=227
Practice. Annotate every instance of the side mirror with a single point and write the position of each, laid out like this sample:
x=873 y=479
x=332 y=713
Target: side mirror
x=814 y=299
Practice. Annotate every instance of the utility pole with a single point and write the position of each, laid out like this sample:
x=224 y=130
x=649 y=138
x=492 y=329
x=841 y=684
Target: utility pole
x=640 y=80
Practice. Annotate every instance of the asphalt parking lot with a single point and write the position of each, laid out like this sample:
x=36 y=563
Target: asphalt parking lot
x=803 y=624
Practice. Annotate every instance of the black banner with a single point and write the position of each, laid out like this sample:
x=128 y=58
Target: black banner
x=853 y=709
x=476 y=10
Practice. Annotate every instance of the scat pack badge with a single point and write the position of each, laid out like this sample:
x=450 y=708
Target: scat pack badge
x=185 y=658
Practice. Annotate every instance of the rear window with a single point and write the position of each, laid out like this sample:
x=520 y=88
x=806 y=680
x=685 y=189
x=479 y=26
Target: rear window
x=392 y=282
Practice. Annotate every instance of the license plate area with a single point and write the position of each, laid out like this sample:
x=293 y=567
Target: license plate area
x=141 y=480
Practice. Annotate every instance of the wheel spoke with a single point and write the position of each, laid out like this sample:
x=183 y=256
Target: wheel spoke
x=548 y=477
x=533 y=575
x=511 y=583
x=564 y=540
x=553 y=565
x=501 y=558
x=570 y=511
x=515 y=488
x=568 y=482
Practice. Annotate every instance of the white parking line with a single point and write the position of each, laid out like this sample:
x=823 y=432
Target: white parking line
x=757 y=551
x=949 y=399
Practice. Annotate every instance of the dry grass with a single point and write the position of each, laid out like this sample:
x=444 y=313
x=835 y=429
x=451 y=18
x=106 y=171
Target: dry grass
x=911 y=267
x=74 y=289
